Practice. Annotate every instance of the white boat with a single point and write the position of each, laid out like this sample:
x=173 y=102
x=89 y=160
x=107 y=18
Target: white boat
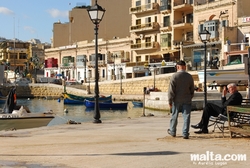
x=224 y=77
x=29 y=120
x=22 y=118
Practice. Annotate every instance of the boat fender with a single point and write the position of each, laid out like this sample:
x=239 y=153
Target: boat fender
x=59 y=100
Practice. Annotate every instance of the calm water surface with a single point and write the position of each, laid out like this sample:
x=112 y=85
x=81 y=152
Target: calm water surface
x=79 y=113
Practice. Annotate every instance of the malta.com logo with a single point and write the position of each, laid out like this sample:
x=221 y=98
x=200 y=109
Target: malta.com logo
x=210 y=158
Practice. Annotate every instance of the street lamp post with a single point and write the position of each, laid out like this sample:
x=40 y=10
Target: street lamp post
x=205 y=37
x=121 y=81
x=154 y=75
x=153 y=69
x=96 y=14
x=89 y=82
x=114 y=66
x=85 y=64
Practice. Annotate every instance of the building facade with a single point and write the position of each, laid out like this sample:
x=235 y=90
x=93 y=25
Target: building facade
x=151 y=34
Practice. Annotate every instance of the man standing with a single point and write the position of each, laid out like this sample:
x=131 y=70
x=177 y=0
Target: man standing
x=214 y=110
x=180 y=94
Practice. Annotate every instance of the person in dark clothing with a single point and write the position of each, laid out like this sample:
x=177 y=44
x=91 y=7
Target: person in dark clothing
x=214 y=110
x=10 y=103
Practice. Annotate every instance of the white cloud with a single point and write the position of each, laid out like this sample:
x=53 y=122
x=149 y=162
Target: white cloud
x=30 y=29
x=6 y=11
x=55 y=13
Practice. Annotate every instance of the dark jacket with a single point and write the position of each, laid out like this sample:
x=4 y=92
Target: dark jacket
x=234 y=99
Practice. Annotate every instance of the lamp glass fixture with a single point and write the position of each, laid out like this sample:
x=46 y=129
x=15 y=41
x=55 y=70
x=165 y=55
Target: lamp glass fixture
x=205 y=35
x=96 y=13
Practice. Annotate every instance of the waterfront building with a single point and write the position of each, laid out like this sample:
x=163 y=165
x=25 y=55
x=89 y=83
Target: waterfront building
x=154 y=34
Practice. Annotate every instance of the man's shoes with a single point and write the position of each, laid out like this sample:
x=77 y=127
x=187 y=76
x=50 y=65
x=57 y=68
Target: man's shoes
x=197 y=126
x=169 y=132
x=201 y=131
x=185 y=137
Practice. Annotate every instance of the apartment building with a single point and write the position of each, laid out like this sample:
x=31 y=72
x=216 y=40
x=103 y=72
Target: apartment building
x=115 y=23
x=14 y=54
x=221 y=19
x=158 y=33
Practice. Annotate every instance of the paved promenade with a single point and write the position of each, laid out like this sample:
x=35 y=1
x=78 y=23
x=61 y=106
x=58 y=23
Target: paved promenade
x=133 y=142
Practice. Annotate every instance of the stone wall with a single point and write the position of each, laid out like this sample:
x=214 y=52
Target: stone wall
x=135 y=85
x=129 y=87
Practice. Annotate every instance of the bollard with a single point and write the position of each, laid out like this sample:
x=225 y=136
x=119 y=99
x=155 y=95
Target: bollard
x=144 y=92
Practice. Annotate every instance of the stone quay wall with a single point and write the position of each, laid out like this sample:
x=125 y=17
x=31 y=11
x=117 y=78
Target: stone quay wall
x=135 y=86
x=129 y=87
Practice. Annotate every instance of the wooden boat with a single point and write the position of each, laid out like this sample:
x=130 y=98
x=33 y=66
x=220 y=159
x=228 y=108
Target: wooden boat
x=107 y=105
x=10 y=118
x=224 y=77
x=137 y=103
x=29 y=120
x=74 y=99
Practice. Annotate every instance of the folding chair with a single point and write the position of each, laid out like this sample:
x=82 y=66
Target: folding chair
x=218 y=122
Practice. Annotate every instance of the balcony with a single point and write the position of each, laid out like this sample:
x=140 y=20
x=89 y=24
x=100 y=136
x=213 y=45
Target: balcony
x=166 y=27
x=183 y=6
x=182 y=24
x=68 y=65
x=144 y=8
x=100 y=63
x=202 y=6
x=188 y=37
x=165 y=9
x=143 y=46
x=144 y=27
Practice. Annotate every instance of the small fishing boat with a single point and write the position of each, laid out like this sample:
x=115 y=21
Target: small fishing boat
x=24 y=121
x=74 y=99
x=137 y=103
x=107 y=105
x=224 y=77
x=13 y=117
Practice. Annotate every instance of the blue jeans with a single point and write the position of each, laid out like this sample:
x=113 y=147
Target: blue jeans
x=185 y=109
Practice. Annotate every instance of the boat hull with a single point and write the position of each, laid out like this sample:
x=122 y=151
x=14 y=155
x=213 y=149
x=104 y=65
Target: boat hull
x=224 y=77
x=74 y=99
x=107 y=105
x=13 y=121
x=137 y=103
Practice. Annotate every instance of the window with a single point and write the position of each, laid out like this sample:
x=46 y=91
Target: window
x=224 y=23
x=138 y=3
x=22 y=56
x=166 y=21
x=166 y=40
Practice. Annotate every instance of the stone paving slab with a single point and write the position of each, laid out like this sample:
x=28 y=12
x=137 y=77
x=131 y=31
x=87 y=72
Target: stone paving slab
x=133 y=142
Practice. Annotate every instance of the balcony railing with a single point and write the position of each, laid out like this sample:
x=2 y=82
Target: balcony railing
x=100 y=63
x=147 y=45
x=212 y=4
x=165 y=7
x=145 y=27
x=144 y=8
x=183 y=2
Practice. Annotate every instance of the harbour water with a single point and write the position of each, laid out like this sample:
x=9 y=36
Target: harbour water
x=79 y=113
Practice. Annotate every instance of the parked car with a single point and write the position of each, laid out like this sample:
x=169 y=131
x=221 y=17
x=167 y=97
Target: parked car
x=22 y=81
x=57 y=81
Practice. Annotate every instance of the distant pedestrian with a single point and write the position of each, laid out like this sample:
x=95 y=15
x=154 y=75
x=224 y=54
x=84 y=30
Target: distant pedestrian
x=180 y=94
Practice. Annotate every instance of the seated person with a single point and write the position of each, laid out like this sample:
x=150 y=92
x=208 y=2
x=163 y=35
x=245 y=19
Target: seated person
x=214 y=110
x=151 y=88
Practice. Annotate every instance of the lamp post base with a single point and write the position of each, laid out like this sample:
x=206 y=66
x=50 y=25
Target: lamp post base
x=97 y=121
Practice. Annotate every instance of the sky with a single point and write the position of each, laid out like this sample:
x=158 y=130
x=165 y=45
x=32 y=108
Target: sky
x=34 y=19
